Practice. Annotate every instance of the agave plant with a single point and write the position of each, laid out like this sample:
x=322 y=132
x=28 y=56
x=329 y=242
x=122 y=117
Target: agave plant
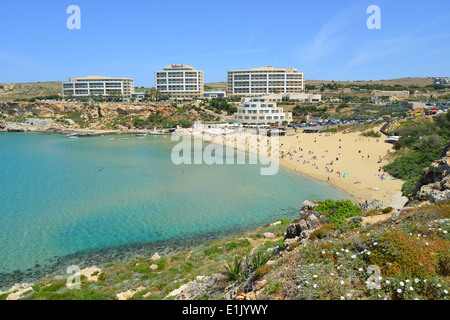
x=233 y=270
x=260 y=258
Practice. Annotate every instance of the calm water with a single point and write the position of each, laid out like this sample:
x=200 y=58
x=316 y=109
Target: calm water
x=60 y=196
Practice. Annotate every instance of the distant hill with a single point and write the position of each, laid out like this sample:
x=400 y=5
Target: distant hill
x=213 y=86
x=12 y=91
x=417 y=81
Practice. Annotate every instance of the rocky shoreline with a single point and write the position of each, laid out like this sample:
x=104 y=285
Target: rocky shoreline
x=57 y=266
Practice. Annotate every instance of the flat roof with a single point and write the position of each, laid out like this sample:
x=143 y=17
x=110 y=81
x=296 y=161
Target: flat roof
x=179 y=67
x=96 y=78
x=269 y=68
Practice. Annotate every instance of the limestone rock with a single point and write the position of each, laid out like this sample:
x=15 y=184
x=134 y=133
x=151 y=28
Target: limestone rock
x=20 y=291
x=308 y=205
x=128 y=294
x=155 y=256
x=437 y=197
x=295 y=229
x=268 y=235
x=312 y=221
x=91 y=273
x=375 y=204
x=153 y=267
x=434 y=184
x=288 y=242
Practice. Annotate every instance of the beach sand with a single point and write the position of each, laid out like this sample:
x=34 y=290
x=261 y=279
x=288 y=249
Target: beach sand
x=347 y=161
x=352 y=162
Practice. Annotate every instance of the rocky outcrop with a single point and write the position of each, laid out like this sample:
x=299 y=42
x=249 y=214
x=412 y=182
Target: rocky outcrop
x=125 y=295
x=19 y=291
x=214 y=285
x=95 y=111
x=300 y=229
x=434 y=184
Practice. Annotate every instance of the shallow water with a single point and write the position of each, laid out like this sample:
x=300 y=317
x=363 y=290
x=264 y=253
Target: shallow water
x=61 y=196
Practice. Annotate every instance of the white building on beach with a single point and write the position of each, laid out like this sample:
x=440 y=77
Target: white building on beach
x=261 y=111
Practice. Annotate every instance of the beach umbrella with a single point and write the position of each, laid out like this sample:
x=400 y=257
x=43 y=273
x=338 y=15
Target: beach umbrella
x=345 y=175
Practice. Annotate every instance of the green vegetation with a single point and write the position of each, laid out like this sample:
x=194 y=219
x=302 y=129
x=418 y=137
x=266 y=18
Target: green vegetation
x=387 y=210
x=338 y=211
x=309 y=108
x=338 y=267
x=233 y=270
x=371 y=133
x=412 y=257
x=48 y=97
x=260 y=258
x=420 y=144
x=219 y=104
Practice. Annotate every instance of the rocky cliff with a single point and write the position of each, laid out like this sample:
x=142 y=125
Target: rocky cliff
x=434 y=184
x=88 y=111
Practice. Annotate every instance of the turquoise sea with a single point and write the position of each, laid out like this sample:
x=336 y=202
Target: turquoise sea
x=62 y=197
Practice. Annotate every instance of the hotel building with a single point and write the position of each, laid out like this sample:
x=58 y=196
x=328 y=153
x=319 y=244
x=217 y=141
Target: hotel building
x=261 y=111
x=180 y=81
x=98 y=86
x=266 y=80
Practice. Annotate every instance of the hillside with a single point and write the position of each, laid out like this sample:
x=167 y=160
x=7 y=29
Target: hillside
x=214 y=86
x=13 y=91
x=413 y=81
x=403 y=254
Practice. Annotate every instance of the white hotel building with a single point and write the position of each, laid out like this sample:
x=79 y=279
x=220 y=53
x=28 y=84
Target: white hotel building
x=266 y=80
x=261 y=111
x=180 y=81
x=98 y=86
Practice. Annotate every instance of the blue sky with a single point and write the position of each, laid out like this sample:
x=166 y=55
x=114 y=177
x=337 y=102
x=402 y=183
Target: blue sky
x=326 y=39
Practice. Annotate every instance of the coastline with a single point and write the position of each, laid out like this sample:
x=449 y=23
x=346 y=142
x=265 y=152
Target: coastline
x=341 y=160
x=57 y=266
x=361 y=184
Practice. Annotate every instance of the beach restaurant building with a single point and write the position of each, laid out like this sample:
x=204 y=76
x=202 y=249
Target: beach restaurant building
x=265 y=80
x=261 y=111
x=98 y=86
x=180 y=81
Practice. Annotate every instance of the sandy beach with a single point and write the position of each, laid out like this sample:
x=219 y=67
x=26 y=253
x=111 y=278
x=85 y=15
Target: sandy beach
x=347 y=161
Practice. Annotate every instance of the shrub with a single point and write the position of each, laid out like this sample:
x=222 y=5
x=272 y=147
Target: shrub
x=355 y=222
x=212 y=250
x=399 y=253
x=262 y=271
x=372 y=212
x=444 y=263
x=273 y=288
x=323 y=231
x=387 y=210
x=339 y=210
x=294 y=245
x=371 y=133
x=232 y=245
